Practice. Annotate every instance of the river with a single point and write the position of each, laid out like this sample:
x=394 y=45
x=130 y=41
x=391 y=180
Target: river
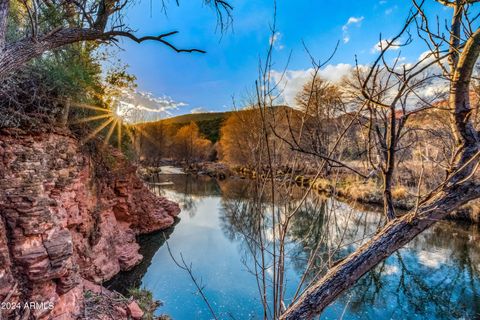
x=436 y=276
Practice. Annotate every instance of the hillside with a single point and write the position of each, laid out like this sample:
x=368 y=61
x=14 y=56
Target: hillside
x=209 y=123
x=197 y=117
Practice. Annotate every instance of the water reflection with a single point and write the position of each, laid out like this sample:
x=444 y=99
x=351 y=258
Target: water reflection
x=187 y=190
x=435 y=277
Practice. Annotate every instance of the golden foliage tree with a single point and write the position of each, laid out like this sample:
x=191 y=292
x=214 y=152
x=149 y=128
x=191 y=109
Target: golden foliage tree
x=243 y=135
x=239 y=138
x=189 y=144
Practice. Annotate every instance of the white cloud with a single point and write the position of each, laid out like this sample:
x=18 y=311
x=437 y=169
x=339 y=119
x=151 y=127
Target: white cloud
x=292 y=81
x=426 y=55
x=351 y=21
x=383 y=44
x=434 y=259
x=137 y=106
x=391 y=269
x=275 y=39
x=198 y=110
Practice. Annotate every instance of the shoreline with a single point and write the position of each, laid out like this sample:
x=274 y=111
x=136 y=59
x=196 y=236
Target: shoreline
x=345 y=188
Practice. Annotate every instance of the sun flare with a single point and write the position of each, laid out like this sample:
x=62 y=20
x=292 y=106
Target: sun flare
x=114 y=121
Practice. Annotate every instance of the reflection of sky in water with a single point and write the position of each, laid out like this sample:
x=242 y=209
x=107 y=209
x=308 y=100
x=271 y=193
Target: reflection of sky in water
x=435 y=277
x=215 y=260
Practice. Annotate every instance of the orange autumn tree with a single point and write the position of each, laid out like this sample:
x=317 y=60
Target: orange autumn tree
x=242 y=136
x=239 y=138
x=190 y=145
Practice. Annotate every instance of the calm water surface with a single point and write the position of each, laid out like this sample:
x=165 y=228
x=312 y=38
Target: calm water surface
x=435 y=277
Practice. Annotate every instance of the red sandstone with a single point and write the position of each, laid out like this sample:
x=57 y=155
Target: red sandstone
x=61 y=224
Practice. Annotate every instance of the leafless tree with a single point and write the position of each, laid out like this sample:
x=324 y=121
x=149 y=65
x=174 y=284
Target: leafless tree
x=391 y=93
x=460 y=45
x=273 y=205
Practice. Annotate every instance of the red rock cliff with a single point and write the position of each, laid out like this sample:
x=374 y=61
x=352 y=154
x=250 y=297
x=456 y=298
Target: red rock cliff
x=61 y=223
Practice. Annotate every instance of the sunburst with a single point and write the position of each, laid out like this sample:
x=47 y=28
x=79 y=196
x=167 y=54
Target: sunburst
x=112 y=121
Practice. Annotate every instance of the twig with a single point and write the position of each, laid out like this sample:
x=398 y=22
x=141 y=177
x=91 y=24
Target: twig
x=188 y=268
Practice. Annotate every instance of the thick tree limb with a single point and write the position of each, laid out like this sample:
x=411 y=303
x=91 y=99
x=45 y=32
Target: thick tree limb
x=18 y=53
x=393 y=236
x=82 y=21
x=460 y=89
x=446 y=3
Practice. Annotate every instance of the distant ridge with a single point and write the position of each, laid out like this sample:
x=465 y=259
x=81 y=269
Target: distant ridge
x=209 y=123
x=195 y=117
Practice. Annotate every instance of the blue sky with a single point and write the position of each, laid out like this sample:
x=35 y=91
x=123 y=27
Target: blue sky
x=208 y=81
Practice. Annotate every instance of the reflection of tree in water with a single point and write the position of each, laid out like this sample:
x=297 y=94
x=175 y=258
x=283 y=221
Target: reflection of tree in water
x=324 y=231
x=404 y=286
x=240 y=217
x=408 y=284
x=318 y=229
x=308 y=230
x=149 y=245
x=187 y=188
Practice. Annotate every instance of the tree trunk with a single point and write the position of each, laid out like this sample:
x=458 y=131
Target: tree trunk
x=388 y=208
x=393 y=236
x=390 y=143
x=65 y=113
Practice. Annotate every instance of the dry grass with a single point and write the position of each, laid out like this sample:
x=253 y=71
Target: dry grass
x=358 y=189
x=400 y=193
x=321 y=184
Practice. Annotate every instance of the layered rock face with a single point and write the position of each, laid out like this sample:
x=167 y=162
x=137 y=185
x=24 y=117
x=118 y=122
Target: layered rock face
x=61 y=221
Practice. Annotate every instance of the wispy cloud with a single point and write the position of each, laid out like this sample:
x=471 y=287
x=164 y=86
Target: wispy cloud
x=354 y=20
x=390 y=10
x=383 y=44
x=351 y=21
x=198 y=110
x=138 y=106
x=275 y=41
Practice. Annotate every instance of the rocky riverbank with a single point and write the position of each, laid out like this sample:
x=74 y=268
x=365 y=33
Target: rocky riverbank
x=67 y=218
